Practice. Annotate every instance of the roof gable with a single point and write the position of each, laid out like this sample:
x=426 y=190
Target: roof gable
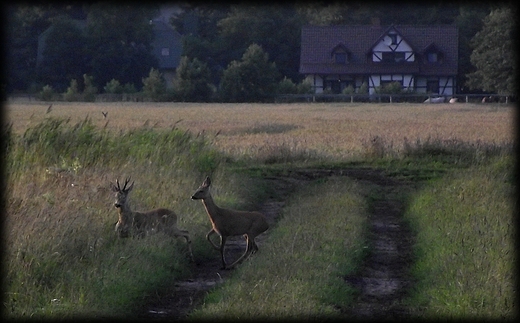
x=393 y=39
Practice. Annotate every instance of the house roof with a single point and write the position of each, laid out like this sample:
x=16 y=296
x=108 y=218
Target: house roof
x=166 y=38
x=317 y=42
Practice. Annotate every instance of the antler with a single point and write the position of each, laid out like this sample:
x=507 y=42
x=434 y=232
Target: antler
x=126 y=182
x=124 y=189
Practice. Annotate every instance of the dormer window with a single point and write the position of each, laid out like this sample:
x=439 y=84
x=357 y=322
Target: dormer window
x=340 y=54
x=340 y=58
x=433 y=55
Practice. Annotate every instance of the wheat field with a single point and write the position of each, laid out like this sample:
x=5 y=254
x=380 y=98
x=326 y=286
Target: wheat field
x=333 y=130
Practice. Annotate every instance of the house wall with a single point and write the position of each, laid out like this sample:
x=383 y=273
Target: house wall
x=316 y=82
x=446 y=85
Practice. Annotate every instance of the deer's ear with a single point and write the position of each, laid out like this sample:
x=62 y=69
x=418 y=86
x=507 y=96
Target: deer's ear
x=207 y=182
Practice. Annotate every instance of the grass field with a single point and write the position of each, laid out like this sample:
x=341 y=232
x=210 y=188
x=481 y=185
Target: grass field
x=63 y=259
x=261 y=131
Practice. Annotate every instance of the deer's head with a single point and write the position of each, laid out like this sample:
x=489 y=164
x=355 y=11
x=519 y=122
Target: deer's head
x=123 y=224
x=203 y=191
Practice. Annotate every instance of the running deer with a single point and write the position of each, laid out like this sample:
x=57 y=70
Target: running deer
x=227 y=223
x=141 y=223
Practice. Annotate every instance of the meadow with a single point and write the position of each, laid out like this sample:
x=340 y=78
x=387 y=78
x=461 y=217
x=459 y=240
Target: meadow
x=63 y=259
x=335 y=131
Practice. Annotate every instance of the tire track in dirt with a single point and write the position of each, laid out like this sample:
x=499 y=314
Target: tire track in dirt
x=382 y=280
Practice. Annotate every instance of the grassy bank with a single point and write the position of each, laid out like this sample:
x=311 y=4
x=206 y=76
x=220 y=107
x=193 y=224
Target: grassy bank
x=299 y=273
x=62 y=258
x=465 y=245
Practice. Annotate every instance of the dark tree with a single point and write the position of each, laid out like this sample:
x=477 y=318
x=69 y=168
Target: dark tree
x=119 y=43
x=193 y=82
x=251 y=79
x=493 y=54
x=275 y=28
x=63 y=55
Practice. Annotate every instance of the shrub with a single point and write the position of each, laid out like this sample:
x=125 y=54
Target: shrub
x=72 y=93
x=47 y=93
x=305 y=87
x=154 y=86
x=89 y=92
x=363 y=89
x=193 y=81
x=251 y=79
x=113 y=87
x=287 y=86
x=348 y=90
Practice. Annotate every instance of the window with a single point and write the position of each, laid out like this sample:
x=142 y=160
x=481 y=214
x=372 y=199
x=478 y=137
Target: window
x=341 y=58
x=432 y=58
x=432 y=86
x=393 y=57
x=165 y=51
x=393 y=38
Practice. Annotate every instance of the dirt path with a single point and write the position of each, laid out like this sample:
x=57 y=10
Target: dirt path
x=382 y=280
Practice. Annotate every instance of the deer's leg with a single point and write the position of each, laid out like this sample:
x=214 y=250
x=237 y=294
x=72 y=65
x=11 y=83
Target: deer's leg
x=249 y=249
x=222 y=245
x=212 y=231
x=254 y=246
x=186 y=235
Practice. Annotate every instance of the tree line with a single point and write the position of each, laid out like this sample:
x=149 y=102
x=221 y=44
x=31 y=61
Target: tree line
x=234 y=52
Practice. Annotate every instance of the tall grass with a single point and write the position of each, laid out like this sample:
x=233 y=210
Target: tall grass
x=298 y=273
x=465 y=245
x=62 y=258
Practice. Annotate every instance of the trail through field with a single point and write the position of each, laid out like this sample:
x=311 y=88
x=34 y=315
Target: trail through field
x=382 y=280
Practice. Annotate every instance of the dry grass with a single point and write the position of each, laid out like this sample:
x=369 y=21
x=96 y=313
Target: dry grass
x=334 y=130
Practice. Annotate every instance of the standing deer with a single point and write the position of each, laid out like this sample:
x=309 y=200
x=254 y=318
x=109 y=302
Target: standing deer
x=142 y=223
x=227 y=223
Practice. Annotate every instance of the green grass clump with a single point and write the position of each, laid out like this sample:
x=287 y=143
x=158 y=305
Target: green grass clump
x=299 y=272
x=465 y=245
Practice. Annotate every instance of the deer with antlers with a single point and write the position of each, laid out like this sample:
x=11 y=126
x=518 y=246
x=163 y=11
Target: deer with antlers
x=142 y=223
x=227 y=223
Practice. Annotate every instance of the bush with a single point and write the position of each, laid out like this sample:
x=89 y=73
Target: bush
x=113 y=87
x=251 y=79
x=363 y=89
x=154 y=86
x=47 y=93
x=72 y=93
x=348 y=90
x=305 y=87
x=287 y=86
x=89 y=92
x=193 y=81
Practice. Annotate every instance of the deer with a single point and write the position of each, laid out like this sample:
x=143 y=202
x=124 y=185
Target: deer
x=227 y=223
x=142 y=223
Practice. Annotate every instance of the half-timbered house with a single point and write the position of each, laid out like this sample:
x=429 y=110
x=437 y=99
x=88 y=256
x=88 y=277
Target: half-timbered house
x=423 y=59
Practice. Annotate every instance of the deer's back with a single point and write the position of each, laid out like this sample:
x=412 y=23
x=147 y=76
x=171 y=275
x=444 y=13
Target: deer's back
x=156 y=219
x=234 y=222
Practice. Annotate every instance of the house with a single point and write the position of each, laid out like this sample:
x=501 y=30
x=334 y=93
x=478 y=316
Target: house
x=166 y=46
x=423 y=59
